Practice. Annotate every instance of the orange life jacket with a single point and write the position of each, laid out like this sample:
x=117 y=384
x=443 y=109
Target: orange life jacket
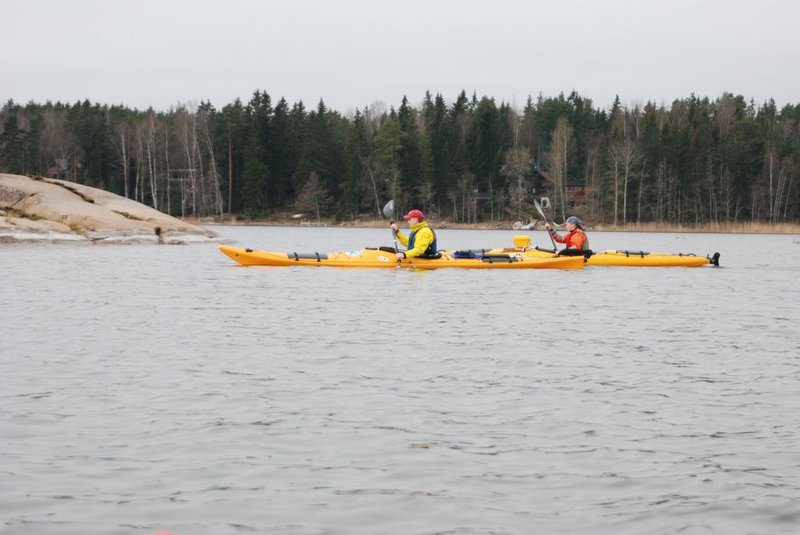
x=575 y=239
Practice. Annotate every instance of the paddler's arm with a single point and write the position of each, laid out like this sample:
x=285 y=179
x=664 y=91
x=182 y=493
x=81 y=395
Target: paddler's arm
x=402 y=238
x=554 y=234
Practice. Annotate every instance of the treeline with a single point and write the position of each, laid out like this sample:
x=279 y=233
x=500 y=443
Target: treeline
x=696 y=161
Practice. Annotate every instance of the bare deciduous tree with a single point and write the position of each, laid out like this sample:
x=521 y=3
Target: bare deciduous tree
x=558 y=160
x=121 y=141
x=54 y=142
x=517 y=166
x=623 y=156
x=313 y=195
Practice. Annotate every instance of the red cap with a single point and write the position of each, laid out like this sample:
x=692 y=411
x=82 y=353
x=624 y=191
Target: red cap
x=414 y=214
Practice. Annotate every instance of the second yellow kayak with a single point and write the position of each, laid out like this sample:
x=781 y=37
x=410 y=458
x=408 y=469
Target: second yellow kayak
x=615 y=257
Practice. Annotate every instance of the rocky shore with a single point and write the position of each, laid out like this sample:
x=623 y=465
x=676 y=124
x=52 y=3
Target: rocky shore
x=46 y=209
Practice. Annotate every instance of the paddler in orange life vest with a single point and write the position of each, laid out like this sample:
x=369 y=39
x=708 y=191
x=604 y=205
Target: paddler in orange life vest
x=575 y=238
x=421 y=241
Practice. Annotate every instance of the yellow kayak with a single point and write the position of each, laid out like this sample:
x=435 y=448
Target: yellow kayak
x=637 y=258
x=615 y=257
x=645 y=259
x=385 y=258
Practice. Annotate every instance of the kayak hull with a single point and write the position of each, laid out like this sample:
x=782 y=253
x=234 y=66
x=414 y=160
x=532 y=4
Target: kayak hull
x=631 y=258
x=377 y=258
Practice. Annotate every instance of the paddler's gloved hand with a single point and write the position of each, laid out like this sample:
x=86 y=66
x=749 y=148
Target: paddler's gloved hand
x=393 y=226
x=400 y=256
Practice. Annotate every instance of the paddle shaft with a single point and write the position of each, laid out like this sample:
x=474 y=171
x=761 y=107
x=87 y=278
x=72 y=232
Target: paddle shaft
x=541 y=213
x=394 y=239
x=388 y=211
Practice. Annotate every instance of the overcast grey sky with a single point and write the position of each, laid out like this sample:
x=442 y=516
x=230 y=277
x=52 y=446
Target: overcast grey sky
x=353 y=53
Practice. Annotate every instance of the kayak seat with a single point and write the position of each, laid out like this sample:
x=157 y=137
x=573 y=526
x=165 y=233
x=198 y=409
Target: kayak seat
x=392 y=250
x=586 y=253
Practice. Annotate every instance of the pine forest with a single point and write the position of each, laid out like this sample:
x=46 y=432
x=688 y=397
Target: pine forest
x=697 y=161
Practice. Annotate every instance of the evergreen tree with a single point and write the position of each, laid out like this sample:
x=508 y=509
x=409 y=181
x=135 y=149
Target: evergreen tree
x=298 y=145
x=386 y=159
x=439 y=136
x=12 y=142
x=360 y=190
x=461 y=181
x=282 y=161
x=231 y=137
x=484 y=148
x=409 y=155
x=255 y=178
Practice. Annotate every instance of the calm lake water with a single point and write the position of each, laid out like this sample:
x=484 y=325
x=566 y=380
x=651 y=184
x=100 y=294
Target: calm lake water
x=149 y=388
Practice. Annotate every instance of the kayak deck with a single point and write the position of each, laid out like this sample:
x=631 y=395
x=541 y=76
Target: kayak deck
x=385 y=258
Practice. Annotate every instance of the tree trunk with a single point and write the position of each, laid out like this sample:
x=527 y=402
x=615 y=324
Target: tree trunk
x=365 y=163
x=230 y=172
x=214 y=177
x=616 y=190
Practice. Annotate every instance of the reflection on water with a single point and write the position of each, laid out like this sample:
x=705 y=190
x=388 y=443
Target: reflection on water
x=148 y=387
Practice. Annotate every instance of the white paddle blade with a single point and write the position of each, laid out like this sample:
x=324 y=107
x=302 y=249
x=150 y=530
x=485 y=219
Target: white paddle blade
x=388 y=210
x=539 y=209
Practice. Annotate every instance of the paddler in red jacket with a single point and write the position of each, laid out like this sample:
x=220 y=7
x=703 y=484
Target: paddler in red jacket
x=575 y=238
